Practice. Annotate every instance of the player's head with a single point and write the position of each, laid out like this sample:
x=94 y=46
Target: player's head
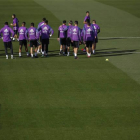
x=46 y=22
x=32 y=24
x=43 y=19
x=76 y=22
x=88 y=22
x=94 y=21
x=6 y=23
x=64 y=22
x=70 y=22
x=87 y=13
x=23 y=24
x=13 y=16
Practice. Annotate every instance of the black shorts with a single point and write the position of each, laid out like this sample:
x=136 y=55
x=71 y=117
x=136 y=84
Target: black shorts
x=45 y=41
x=63 y=41
x=96 y=40
x=89 y=44
x=69 y=43
x=15 y=31
x=40 y=39
x=23 y=42
x=8 y=44
x=76 y=44
x=33 y=43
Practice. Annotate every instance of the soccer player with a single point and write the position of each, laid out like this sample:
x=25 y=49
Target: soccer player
x=33 y=37
x=62 y=35
x=87 y=17
x=69 y=43
x=15 y=26
x=46 y=33
x=22 y=31
x=88 y=37
x=6 y=32
x=97 y=31
x=39 y=25
x=76 y=38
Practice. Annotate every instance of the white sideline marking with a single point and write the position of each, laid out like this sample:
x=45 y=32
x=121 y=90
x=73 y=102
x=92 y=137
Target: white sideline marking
x=114 y=38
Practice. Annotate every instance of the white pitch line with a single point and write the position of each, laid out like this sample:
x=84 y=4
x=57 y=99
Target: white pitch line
x=114 y=38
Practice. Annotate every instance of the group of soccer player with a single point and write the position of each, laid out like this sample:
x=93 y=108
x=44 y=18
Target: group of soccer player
x=68 y=36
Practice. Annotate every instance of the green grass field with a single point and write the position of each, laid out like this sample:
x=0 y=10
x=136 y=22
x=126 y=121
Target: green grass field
x=60 y=98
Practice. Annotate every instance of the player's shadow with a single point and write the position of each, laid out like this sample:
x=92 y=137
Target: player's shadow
x=115 y=53
x=113 y=38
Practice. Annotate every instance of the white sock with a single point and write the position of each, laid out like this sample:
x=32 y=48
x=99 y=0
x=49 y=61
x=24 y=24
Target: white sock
x=6 y=56
x=11 y=56
x=41 y=50
x=19 y=54
x=42 y=53
x=68 y=53
x=93 y=51
x=32 y=55
x=60 y=50
x=75 y=54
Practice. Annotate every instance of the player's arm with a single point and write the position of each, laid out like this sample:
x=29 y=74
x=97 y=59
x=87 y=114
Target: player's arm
x=51 y=31
x=0 y=33
x=98 y=30
x=13 y=24
x=26 y=34
x=58 y=35
x=37 y=34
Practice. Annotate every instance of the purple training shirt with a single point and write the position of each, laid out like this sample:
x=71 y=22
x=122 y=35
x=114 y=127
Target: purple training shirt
x=76 y=34
x=63 y=30
x=22 y=33
x=6 y=31
x=33 y=33
x=46 y=30
x=89 y=33
x=15 y=21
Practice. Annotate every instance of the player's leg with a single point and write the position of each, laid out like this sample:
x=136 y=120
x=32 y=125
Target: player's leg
x=11 y=48
x=6 y=52
x=15 y=36
x=68 y=46
x=64 y=46
x=39 y=50
x=76 y=46
x=43 y=45
x=46 y=47
x=31 y=48
x=20 y=47
x=26 y=48
x=35 y=45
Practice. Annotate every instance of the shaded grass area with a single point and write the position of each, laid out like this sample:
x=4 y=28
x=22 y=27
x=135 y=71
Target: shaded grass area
x=130 y=6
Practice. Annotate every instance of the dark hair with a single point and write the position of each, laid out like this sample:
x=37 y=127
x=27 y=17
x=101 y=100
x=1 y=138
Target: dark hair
x=64 y=21
x=44 y=19
x=94 y=20
x=6 y=23
x=71 y=22
x=88 y=21
x=87 y=11
x=24 y=23
x=76 y=22
x=14 y=15
x=32 y=24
